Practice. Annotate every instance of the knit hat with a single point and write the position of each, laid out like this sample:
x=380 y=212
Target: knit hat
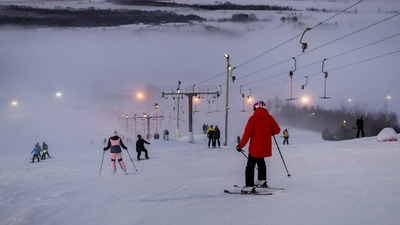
x=258 y=104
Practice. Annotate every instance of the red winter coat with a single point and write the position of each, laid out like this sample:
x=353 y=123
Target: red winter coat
x=259 y=129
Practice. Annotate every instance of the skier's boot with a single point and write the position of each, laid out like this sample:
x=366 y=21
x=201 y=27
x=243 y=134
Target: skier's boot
x=262 y=183
x=249 y=189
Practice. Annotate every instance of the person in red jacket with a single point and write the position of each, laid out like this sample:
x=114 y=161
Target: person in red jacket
x=259 y=129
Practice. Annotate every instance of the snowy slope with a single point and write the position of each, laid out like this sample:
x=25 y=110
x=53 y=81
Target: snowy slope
x=349 y=182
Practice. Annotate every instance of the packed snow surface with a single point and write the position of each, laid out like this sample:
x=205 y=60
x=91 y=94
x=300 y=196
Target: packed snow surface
x=347 y=182
x=331 y=183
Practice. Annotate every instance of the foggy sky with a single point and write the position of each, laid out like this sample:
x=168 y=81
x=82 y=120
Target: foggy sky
x=99 y=71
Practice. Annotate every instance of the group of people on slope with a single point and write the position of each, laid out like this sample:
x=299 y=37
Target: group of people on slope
x=214 y=135
x=115 y=144
x=40 y=152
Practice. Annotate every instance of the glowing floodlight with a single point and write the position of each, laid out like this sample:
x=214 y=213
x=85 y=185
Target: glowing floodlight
x=140 y=95
x=14 y=103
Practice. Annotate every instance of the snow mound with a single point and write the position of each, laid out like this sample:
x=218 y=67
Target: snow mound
x=387 y=134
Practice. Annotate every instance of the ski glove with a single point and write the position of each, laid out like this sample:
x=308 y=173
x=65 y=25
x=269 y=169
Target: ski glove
x=239 y=149
x=104 y=149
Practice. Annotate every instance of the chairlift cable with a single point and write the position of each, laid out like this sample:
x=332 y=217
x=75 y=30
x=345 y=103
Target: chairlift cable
x=333 y=69
x=317 y=62
x=383 y=97
x=283 y=43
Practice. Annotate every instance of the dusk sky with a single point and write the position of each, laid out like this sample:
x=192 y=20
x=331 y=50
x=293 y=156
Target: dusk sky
x=99 y=71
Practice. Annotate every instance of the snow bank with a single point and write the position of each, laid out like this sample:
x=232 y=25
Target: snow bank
x=387 y=134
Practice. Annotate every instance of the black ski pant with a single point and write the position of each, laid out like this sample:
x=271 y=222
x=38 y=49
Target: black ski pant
x=285 y=140
x=360 y=131
x=139 y=152
x=35 y=156
x=262 y=170
x=211 y=140
x=218 y=142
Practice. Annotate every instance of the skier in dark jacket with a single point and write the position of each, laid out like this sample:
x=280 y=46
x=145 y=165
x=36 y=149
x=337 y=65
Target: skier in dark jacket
x=114 y=144
x=211 y=136
x=45 y=150
x=360 y=126
x=217 y=136
x=140 y=147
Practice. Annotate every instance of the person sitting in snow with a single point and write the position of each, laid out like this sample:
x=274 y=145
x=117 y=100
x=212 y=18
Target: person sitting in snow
x=36 y=152
x=114 y=144
x=140 y=147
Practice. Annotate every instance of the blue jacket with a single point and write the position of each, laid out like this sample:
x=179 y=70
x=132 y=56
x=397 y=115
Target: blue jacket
x=36 y=150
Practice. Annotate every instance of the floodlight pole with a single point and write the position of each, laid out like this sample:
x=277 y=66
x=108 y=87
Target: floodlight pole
x=226 y=99
x=178 y=133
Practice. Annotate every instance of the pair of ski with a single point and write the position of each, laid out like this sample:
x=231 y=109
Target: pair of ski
x=258 y=190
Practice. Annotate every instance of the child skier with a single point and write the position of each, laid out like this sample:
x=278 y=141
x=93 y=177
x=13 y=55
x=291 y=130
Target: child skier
x=114 y=144
x=36 y=152
x=286 y=136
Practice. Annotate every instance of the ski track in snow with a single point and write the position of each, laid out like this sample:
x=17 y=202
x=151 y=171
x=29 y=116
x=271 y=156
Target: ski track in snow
x=349 y=182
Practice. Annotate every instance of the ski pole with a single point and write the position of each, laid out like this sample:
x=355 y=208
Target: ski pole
x=255 y=166
x=131 y=159
x=288 y=174
x=101 y=165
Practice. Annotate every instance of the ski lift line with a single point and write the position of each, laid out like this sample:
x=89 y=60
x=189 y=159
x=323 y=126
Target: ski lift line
x=213 y=77
x=358 y=62
x=258 y=71
x=318 y=62
x=371 y=25
x=386 y=93
x=365 y=60
x=319 y=73
x=357 y=31
x=290 y=72
x=350 y=51
x=340 y=12
x=367 y=45
x=295 y=37
x=283 y=43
